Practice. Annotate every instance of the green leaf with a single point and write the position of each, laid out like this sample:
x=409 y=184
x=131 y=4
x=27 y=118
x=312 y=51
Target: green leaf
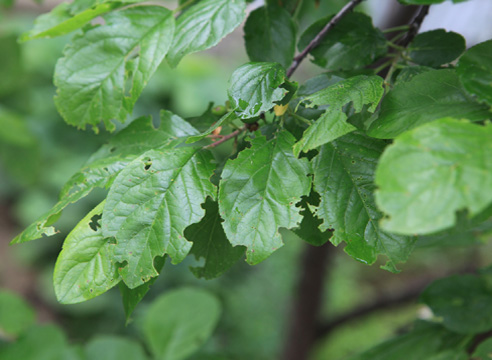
x=465 y=232
x=211 y=244
x=475 y=71
x=255 y=87
x=358 y=90
x=105 y=69
x=344 y=178
x=107 y=162
x=150 y=204
x=463 y=302
x=426 y=341
x=353 y=43
x=16 y=316
x=60 y=20
x=38 y=343
x=179 y=322
x=114 y=348
x=308 y=229
x=270 y=35
x=203 y=25
x=132 y=297
x=431 y=172
x=437 y=47
x=483 y=350
x=426 y=97
x=85 y=267
x=222 y=121
x=258 y=194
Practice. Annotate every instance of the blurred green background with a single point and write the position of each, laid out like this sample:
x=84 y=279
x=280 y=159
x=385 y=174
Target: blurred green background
x=39 y=152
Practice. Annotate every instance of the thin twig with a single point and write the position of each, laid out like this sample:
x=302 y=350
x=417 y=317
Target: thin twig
x=317 y=40
x=403 y=43
x=415 y=26
x=226 y=137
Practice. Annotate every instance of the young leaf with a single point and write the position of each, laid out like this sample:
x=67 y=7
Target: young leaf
x=85 y=267
x=222 y=121
x=426 y=97
x=210 y=243
x=475 y=71
x=344 y=178
x=150 y=204
x=132 y=297
x=463 y=302
x=107 y=162
x=270 y=35
x=60 y=20
x=358 y=90
x=258 y=194
x=204 y=25
x=437 y=47
x=353 y=43
x=92 y=76
x=179 y=322
x=254 y=88
x=431 y=172
x=114 y=348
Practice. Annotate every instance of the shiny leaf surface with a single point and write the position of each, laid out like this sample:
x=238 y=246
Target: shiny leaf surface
x=258 y=194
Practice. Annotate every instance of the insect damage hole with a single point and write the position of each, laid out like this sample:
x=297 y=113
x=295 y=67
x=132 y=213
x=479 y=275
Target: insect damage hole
x=94 y=223
x=147 y=164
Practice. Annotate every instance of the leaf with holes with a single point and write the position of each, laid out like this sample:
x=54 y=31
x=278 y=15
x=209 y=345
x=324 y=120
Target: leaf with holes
x=255 y=87
x=107 y=162
x=105 y=69
x=344 y=178
x=359 y=90
x=150 y=204
x=203 y=25
x=424 y=98
x=258 y=194
x=85 y=267
x=431 y=172
x=211 y=244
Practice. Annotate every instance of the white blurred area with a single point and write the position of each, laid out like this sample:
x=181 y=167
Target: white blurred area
x=472 y=19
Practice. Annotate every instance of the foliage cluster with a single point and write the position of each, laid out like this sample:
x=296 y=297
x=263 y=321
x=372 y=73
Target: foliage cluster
x=378 y=164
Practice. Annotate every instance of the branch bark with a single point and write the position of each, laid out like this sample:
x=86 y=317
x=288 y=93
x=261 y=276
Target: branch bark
x=415 y=26
x=317 y=39
x=307 y=302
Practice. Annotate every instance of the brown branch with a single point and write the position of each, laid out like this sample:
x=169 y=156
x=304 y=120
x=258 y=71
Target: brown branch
x=383 y=303
x=317 y=39
x=301 y=333
x=415 y=26
x=226 y=137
